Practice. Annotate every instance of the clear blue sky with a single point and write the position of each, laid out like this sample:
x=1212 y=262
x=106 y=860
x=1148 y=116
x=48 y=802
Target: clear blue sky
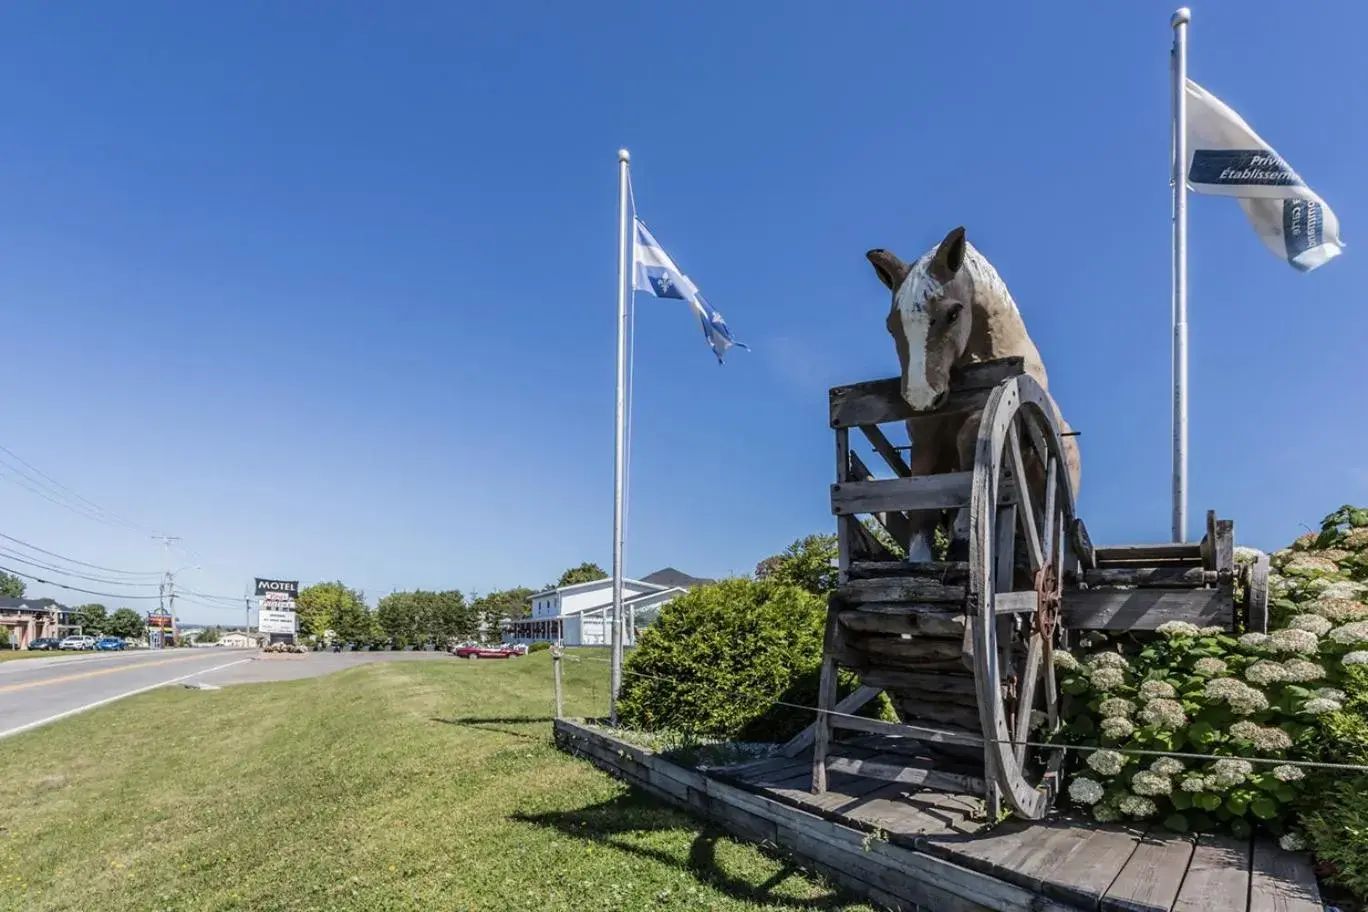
x=327 y=289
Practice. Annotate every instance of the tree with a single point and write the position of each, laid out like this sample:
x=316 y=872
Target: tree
x=333 y=606
x=494 y=607
x=125 y=623
x=11 y=586
x=93 y=618
x=584 y=573
x=809 y=563
x=210 y=635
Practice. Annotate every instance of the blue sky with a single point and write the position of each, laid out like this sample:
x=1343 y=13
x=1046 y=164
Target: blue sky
x=327 y=289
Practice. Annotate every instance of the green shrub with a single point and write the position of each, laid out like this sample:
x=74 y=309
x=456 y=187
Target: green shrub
x=720 y=656
x=538 y=646
x=1337 y=827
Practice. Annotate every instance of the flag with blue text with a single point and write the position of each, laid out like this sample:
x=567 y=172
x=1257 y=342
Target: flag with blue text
x=654 y=272
x=1227 y=158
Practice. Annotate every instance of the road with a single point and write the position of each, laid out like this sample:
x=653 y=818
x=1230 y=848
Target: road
x=35 y=692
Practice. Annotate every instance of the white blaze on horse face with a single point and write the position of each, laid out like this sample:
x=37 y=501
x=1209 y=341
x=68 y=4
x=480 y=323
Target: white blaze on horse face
x=911 y=304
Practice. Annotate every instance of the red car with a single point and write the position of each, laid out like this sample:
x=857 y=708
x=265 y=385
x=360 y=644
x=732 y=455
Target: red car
x=485 y=652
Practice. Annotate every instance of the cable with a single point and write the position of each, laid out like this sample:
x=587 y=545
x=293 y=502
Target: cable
x=13 y=555
x=113 y=595
x=72 y=560
x=1349 y=767
x=88 y=507
x=183 y=598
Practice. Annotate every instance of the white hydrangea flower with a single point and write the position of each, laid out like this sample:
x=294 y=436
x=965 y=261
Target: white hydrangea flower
x=1264 y=672
x=1230 y=772
x=1330 y=693
x=1038 y=719
x=1244 y=731
x=1167 y=766
x=1106 y=762
x=1301 y=670
x=1288 y=773
x=1065 y=662
x=1166 y=714
x=1319 y=705
x=1342 y=589
x=1313 y=623
x=1118 y=728
x=1339 y=610
x=1194 y=784
x=1349 y=634
x=1105 y=813
x=1304 y=641
x=1105 y=679
x=1214 y=630
x=1292 y=842
x=1157 y=690
x=1173 y=629
x=1254 y=640
x=1108 y=660
x=1115 y=708
x=1209 y=667
x=1271 y=739
x=1147 y=782
x=1356 y=658
x=1245 y=555
x=1085 y=790
x=1249 y=702
x=1224 y=688
x=1136 y=806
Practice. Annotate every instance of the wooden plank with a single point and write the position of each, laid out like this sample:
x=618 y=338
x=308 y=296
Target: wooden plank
x=862 y=545
x=887 y=769
x=873 y=648
x=1224 y=552
x=1144 y=609
x=1142 y=552
x=919 y=492
x=910 y=589
x=1217 y=877
x=1156 y=577
x=1256 y=596
x=905 y=815
x=912 y=619
x=885 y=448
x=941 y=571
x=1015 y=602
x=826 y=700
x=929 y=734
x=895 y=522
x=852 y=702
x=1082 y=545
x=1281 y=881
x=889 y=679
x=1082 y=876
x=846 y=528
x=881 y=401
x=1150 y=880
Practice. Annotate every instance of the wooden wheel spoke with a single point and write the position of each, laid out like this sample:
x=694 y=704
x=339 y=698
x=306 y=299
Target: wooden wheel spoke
x=1047 y=511
x=1017 y=465
x=1026 y=688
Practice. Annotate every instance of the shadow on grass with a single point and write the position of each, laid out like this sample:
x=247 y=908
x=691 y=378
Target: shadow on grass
x=607 y=822
x=496 y=723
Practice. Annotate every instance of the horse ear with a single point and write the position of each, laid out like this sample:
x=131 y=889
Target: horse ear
x=949 y=256
x=890 y=268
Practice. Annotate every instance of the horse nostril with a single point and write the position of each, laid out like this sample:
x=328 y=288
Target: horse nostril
x=940 y=399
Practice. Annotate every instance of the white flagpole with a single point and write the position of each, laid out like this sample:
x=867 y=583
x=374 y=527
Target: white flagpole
x=615 y=675
x=1180 y=329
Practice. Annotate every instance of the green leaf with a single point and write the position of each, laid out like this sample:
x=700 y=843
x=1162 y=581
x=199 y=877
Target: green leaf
x=1201 y=822
x=1285 y=793
x=1074 y=686
x=1240 y=828
x=1237 y=804
x=1177 y=823
x=1201 y=733
x=1182 y=801
x=1207 y=801
x=1264 y=808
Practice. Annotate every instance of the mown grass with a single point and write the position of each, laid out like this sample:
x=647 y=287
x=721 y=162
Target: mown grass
x=8 y=655
x=393 y=786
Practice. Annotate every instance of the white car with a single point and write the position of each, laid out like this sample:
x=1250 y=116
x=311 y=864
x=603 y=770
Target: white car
x=77 y=642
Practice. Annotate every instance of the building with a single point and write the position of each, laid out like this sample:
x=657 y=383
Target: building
x=239 y=640
x=23 y=620
x=581 y=615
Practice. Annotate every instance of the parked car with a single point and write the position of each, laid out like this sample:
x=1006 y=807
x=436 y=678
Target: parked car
x=519 y=648
x=107 y=643
x=48 y=643
x=472 y=651
x=77 y=642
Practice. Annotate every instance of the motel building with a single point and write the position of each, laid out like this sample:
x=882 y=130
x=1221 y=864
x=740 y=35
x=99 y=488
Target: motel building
x=582 y=614
x=23 y=620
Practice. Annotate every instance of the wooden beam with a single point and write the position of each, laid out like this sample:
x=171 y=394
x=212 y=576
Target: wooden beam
x=885 y=448
x=826 y=700
x=926 y=620
x=961 y=685
x=895 y=522
x=944 y=571
x=1015 y=602
x=1025 y=514
x=919 y=732
x=1145 y=609
x=881 y=401
x=1160 y=551
x=1154 y=577
x=909 y=589
x=925 y=777
x=854 y=701
x=920 y=492
x=1256 y=596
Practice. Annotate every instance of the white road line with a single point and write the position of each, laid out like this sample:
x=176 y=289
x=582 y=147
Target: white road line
x=80 y=709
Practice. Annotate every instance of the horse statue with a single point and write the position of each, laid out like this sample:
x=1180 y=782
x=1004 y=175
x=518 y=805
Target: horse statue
x=950 y=309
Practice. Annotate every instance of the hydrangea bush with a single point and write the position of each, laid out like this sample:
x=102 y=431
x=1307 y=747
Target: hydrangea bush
x=1248 y=700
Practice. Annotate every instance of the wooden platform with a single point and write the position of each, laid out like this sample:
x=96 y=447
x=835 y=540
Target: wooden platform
x=903 y=847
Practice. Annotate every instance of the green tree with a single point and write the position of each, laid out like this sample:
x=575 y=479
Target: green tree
x=584 y=573
x=11 y=586
x=336 y=607
x=492 y=608
x=397 y=616
x=210 y=635
x=809 y=563
x=93 y=618
x=125 y=623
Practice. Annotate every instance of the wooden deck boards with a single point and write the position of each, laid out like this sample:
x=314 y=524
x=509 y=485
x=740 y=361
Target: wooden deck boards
x=1063 y=864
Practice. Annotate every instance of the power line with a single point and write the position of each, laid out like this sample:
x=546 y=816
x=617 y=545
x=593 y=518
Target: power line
x=113 y=595
x=72 y=560
x=13 y=555
x=75 y=501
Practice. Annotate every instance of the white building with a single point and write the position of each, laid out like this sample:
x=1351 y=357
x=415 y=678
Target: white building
x=238 y=640
x=582 y=614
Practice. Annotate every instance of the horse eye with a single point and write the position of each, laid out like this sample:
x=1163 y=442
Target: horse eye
x=954 y=313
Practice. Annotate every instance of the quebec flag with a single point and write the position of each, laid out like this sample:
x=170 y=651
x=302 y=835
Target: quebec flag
x=654 y=272
x=1227 y=158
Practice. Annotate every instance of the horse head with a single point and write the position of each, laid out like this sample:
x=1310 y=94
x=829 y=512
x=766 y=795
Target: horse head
x=931 y=318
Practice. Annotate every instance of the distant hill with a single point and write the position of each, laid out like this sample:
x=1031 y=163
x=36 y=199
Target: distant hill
x=672 y=577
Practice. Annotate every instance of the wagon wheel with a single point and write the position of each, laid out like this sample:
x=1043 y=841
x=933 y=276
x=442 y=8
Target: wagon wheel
x=1023 y=501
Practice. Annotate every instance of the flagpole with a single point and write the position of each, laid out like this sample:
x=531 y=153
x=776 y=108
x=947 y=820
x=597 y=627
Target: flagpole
x=1179 y=22
x=615 y=674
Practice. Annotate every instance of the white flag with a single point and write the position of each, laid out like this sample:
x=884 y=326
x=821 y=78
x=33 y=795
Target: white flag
x=1227 y=158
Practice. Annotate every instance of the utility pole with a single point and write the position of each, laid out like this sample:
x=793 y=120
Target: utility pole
x=167 y=591
x=247 y=607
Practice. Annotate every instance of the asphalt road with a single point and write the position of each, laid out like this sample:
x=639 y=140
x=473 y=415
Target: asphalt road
x=34 y=692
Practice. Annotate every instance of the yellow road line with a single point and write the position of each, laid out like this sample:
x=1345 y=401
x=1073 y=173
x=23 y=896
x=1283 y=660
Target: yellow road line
x=99 y=671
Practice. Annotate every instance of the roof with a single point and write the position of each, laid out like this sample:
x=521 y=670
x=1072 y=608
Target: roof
x=8 y=603
x=595 y=584
x=670 y=578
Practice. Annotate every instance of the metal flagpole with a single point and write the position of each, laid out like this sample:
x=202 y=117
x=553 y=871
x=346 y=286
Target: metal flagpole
x=615 y=675
x=1180 y=329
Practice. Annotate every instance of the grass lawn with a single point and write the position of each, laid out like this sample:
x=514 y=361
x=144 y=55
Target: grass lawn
x=8 y=655
x=392 y=786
